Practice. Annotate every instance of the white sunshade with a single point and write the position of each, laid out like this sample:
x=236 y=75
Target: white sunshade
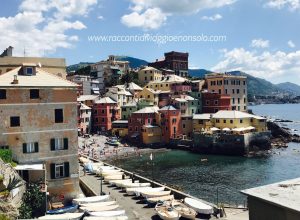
x=226 y=129
x=30 y=167
x=215 y=129
x=239 y=129
x=250 y=128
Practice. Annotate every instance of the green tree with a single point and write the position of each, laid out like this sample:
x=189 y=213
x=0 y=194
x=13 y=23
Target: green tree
x=33 y=202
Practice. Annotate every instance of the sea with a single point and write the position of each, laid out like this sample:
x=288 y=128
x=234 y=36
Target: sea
x=221 y=178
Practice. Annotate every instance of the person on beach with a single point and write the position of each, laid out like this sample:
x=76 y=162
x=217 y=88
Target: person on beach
x=132 y=177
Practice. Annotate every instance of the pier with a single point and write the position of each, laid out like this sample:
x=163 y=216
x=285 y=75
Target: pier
x=135 y=208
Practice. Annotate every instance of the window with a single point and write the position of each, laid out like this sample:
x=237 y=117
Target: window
x=29 y=70
x=59 y=116
x=232 y=91
x=238 y=91
x=200 y=122
x=241 y=121
x=218 y=121
x=59 y=144
x=145 y=77
x=103 y=119
x=2 y=94
x=207 y=102
x=87 y=119
x=233 y=100
x=34 y=94
x=224 y=121
x=239 y=100
x=32 y=147
x=216 y=102
x=14 y=121
x=183 y=125
x=226 y=91
x=220 y=91
x=103 y=111
x=59 y=170
x=149 y=120
x=231 y=121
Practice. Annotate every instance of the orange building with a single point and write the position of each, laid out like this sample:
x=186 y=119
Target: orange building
x=170 y=122
x=105 y=111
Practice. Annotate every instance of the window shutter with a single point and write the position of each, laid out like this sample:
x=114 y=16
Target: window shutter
x=24 y=148
x=66 y=143
x=36 y=147
x=52 y=144
x=67 y=169
x=52 y=170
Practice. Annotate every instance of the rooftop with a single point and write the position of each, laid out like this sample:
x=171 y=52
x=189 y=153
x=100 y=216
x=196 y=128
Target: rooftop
x=40 y=79
x=285 y=194
x=153 y=109
x=120 y=122
x=168 y=108
x=234 y=114
x=105 y=100
x=86 y=97
x=202 y=116
x=84 y=107
x=224 y=75
x=169 y=79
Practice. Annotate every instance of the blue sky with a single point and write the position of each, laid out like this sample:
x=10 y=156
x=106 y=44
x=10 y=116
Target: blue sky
x=262 y=36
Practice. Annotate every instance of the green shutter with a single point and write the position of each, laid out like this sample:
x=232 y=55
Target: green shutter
x=52 y=170
x=24 y=148
x=66 y=143
x=36 y=147
x=67 y=169
x=52 y=144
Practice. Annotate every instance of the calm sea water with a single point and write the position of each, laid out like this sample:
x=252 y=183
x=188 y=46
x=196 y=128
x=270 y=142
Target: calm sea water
x=222 y=177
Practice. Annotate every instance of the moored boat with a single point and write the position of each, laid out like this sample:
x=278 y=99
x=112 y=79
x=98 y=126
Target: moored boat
x=118 y=182
x=199 y=206
x=132 y=191
x=108 y=213
x=106 y=218
x=155 y=194
x=139 y=192
x=166 y=212
x=91 y=199
x=65 y=216
x=93 y=208
x=154 y=200
x=134 y=185
x=66 y=209
x=99 y=204
x=113 y=177
x=183 y=209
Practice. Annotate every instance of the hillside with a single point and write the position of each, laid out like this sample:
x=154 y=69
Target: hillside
x=78 y=66
x=133 y=62
x=290 y=87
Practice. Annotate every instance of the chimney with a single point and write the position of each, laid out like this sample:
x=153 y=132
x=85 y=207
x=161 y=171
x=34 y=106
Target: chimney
x=15 y=81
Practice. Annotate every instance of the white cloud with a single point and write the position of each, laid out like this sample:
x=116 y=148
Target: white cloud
x=291 y=44
x=42 y=29
x=167 y=8
x=271 y=66
x=212 y=18
x=100 y=17
x=279 y=4
x=152 y=18
x=260 y=43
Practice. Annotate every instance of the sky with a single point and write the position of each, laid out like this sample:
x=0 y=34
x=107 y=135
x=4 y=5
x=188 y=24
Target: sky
x=259 y=37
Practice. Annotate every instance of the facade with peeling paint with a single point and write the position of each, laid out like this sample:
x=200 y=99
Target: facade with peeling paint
x=38 y=114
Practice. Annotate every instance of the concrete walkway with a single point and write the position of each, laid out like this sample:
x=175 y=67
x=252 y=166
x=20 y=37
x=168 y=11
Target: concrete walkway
x=136 y=209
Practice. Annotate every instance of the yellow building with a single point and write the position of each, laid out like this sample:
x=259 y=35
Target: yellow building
x=148 y=74
x=165 y=83
x=151 y=134
x=187 y=126
x=201 y=122
x=120 y=128
x=149 y=95
x=234 y=121
x=55 y=66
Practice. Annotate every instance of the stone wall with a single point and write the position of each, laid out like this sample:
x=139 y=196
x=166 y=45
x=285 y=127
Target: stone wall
x=10 y=205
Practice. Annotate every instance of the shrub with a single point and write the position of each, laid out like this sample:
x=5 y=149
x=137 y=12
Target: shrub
x=6 y=155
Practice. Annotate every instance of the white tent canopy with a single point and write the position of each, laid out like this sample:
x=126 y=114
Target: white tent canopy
x=215 y=129
x=226 y=129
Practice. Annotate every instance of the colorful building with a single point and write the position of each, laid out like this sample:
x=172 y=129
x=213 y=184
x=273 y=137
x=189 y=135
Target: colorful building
x=150 y=95
x=214 y=102
x=170 y=123
x=145 y=116
x=85 y=122
x=119 y=94
x=151 y=134
x=176 y=61
x=148 y=74
x=120 y=128
x=39 y=125
x=187 y=126
x=226 y=84
x=187 y=105
x=202 y=122
x=88 y=100
x=105 y=111
x=128 y=109
x=165 y=84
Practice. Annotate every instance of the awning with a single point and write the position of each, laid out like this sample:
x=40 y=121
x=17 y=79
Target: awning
x=215 y=129
x=30 y=167
x=226 y=129
x=250 y=128
x=239 y=129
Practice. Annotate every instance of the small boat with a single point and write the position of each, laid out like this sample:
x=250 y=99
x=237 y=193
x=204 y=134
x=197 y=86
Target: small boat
x=166 y=212
x=199 y=206
x=65 y=216
x=108 y=213
x=106 y=218
x=66 y=209
x=113 y=177
x=111 y=173
x=118 y=182
x=183 y=209
x=155 y=189
x=91 y=199
x=99 y=204
x=93 y=208
x=154 y=200
x=134 y=185
x=132 y=191
x=155 y=194
x=113 y=143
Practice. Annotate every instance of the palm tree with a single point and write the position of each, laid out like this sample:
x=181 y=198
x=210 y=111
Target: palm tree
x=12 y=184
